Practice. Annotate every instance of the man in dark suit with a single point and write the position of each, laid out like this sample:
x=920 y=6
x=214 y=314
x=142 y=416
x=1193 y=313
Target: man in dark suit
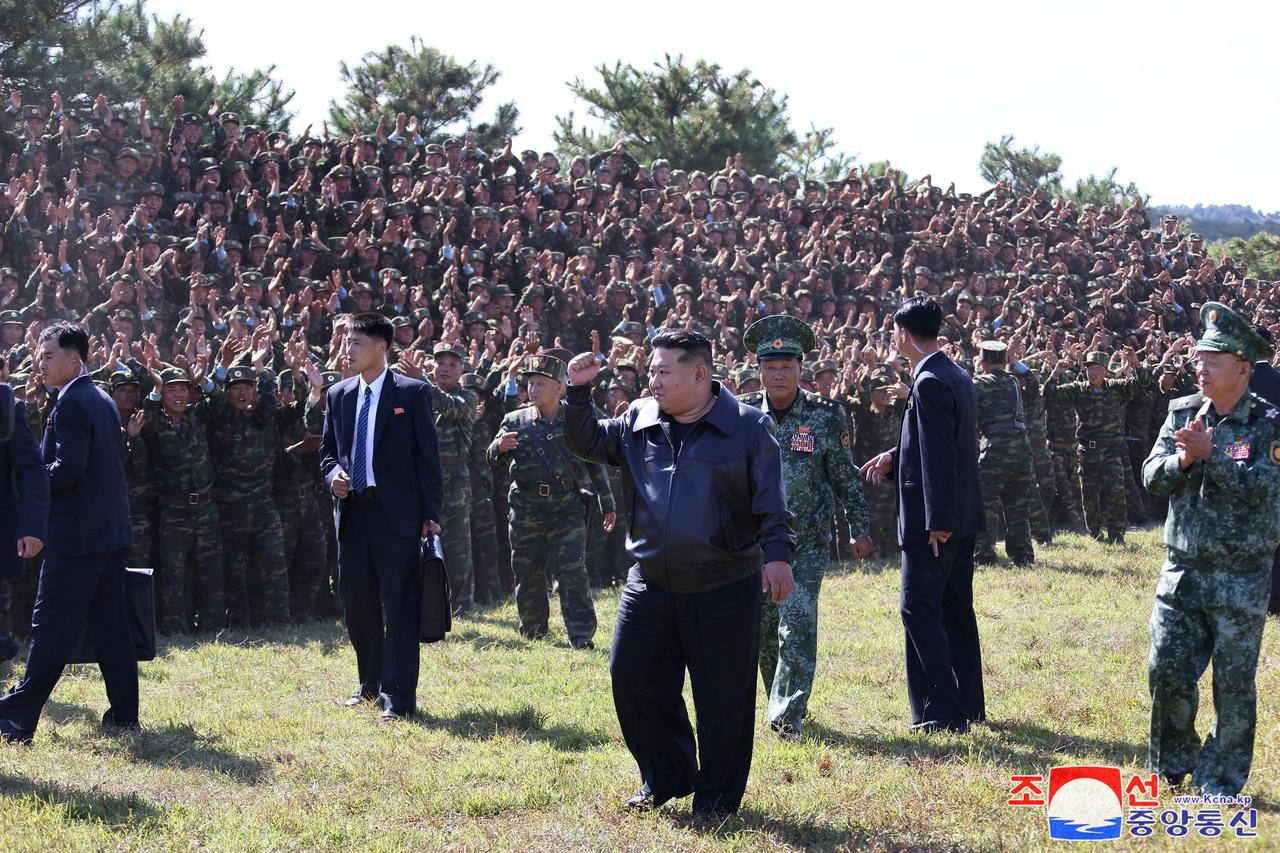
x=381 y=460
x=83 y=575
x=24 y=496
x=940 y=512
x=1265 y=382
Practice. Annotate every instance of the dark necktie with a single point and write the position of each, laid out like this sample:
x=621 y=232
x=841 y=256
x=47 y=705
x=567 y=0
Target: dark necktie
x=358 y=477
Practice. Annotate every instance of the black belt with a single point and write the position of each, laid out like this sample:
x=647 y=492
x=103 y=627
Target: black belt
x=369 y=494
x=545 y=490
x=299 y=492
x=1099 y=444
x=192 y=498
x=1005 y=426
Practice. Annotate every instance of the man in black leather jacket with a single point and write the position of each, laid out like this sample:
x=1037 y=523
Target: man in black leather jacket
x=702 y=478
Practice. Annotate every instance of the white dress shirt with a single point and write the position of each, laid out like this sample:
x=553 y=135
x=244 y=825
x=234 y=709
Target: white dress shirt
x=376 y=387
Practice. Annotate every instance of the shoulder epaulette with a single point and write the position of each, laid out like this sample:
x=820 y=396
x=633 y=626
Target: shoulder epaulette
x=1190 y=401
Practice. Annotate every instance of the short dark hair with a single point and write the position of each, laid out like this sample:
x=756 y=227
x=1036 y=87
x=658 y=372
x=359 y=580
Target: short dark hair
x=695 y=344
x=374 y=326
x=920 y=316
x=69 y=336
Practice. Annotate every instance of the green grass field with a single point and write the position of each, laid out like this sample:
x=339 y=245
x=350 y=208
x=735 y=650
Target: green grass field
x=516 y=746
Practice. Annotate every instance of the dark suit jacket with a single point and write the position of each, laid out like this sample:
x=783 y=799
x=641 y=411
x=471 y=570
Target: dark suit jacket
x=1265 y=382
x=24 y=486
x=406 y=457
x=936 y=460
x=84 y=455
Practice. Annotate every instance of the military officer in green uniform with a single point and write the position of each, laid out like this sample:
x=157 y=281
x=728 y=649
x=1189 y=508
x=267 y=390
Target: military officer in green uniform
x=297 y=470
x=125 y=386
x=1100 y=403
x=188 y=532
x=877 y=419
x=1218 y=461
x=548 y=516
x=484 y=525
x=455 y=411
x=817 y=466
x=244 y=440
x=1008 y=482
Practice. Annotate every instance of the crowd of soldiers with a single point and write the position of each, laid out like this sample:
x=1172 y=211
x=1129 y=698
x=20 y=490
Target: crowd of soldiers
x=217 y=265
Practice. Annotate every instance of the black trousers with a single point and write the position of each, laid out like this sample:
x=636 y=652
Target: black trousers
x=72 y=591
x=715 y=635
x=944 y=658
x=380 y=586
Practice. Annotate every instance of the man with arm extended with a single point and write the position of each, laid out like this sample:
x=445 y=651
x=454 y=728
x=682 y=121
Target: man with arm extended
x=702 y=476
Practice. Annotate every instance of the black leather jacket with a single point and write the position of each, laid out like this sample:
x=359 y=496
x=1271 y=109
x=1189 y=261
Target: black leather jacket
x=702 y=518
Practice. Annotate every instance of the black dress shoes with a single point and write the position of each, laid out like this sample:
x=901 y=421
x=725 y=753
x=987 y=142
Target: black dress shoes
x=641 y=801
x=9 y=733
x=957 y=726
x=582 y=643
x=110 y=720
x=390 y=716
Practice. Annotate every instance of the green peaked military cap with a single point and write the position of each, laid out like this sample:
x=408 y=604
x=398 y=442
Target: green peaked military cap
x=241 y=374
x=780 y=336
x=994 y=352
x=173 y=375
x=546 y=365
x=1226 y=331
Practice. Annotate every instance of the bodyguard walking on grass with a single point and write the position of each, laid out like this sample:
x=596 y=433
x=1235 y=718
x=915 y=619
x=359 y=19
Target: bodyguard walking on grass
x=703 y=485
x=82 y=578
x=380 y=458
x=1218 y=460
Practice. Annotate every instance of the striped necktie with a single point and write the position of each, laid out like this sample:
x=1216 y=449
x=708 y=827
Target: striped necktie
x=359 y=479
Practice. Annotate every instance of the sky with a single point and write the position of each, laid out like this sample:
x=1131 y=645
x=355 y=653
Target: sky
x=1180 y=96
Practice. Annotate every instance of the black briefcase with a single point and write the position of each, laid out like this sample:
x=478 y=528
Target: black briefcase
x=436 y=618
x=140 y=616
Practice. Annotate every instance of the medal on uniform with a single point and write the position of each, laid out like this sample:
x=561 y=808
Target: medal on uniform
x=1275 y=452
x=803 y=440
x=1239 y=450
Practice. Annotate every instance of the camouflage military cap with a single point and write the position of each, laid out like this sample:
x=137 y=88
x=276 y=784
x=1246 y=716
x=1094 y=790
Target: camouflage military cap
x=173 y=376
x=448 y=348
x=825 y=365
x=121 y=377
x=994 y=352
x=1096 y=357
x=330 y=377
x=401 y=321
x=241 y=374
x=472 y=381
x=545 y=365
x=779 y=336
x=748 y=374
x=1226 y=331
x=284 y=380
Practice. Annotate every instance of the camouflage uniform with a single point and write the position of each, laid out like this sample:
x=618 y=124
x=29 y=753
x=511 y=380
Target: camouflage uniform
x=1004 y=465
x=1103 y=451
x=484 y=524
x=547 y=521
x=817 y=467
x=244 y=446
x=455 y=412
x=1041 y=464
x=1060 y=430
x=137 y=473
x=297 y=472
x=1211 y=598
x=875 y=431
x=188 y=532
x=326 y=603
